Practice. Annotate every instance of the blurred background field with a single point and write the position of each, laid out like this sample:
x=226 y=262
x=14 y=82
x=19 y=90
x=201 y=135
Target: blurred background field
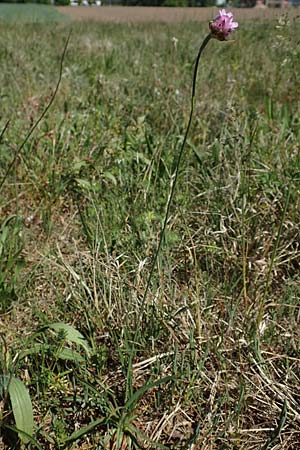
x=29 y=13
x=137 y=14
x=33 y=12
x=81 y=212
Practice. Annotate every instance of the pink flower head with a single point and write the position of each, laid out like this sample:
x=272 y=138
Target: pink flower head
x=222 y=25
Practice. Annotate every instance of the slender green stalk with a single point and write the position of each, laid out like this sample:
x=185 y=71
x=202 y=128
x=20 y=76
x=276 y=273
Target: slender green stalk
x=246 y=194
x=276 y=433
x=40 y=118
x=244 y=248
x=3 y=131
x=181 y=151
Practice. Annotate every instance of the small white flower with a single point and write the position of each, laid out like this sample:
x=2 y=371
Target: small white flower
x=175 y=42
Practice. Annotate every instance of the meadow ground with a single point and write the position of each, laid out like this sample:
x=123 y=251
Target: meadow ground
x=211 y=359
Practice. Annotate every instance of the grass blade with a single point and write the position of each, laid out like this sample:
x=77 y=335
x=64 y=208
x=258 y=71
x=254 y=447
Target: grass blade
x=79 y=433
x=140 y=392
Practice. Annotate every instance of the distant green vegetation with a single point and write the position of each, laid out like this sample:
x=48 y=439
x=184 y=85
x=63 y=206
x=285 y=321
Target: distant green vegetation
x=29 y=13
x=212 y=359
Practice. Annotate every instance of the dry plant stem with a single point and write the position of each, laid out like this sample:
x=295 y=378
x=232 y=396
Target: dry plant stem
x=34 y=126
x=163 y=230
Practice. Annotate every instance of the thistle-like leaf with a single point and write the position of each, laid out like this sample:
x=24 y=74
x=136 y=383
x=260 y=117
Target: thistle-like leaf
x=72 y=335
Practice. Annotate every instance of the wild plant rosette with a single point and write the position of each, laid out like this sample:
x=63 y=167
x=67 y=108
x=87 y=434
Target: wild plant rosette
x=220 y=28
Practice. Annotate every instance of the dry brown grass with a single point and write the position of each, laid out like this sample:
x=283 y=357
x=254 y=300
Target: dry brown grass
x=138 y=14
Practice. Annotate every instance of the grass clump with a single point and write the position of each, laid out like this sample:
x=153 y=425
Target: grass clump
x=86 y=198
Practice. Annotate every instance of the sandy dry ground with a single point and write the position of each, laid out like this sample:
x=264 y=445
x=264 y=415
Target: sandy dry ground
x=163 y=14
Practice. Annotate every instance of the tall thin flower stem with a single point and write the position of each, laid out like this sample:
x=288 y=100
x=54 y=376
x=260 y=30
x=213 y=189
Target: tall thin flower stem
x=181 y=151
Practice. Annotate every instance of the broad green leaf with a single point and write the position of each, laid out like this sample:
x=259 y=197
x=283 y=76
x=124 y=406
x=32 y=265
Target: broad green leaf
x=64 y=353
x=72 y=335
x=84 y=184
x=35 y=349
x=69 y=355
x=21 y=407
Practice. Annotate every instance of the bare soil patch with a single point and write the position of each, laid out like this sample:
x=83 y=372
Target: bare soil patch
x=137 y=14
